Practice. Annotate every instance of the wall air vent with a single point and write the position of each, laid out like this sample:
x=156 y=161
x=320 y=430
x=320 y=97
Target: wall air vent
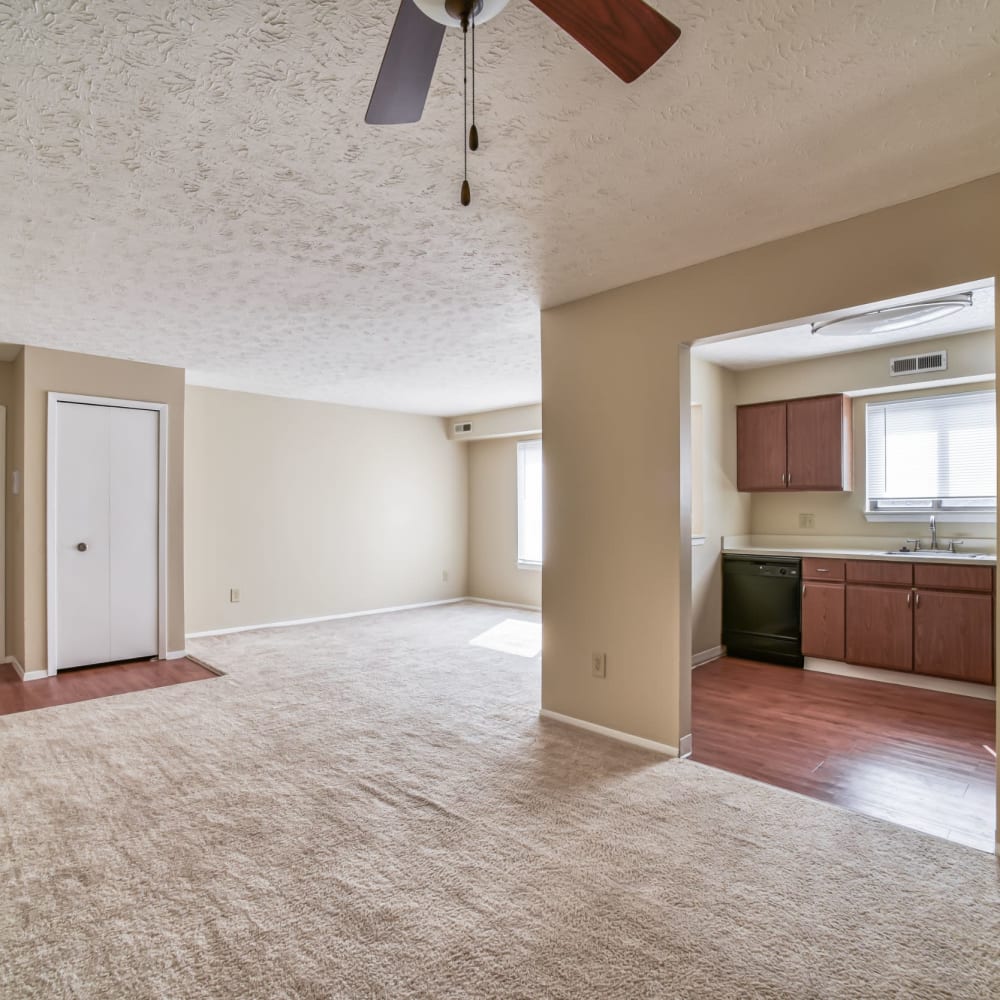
x=918 y=364
x=463 y=428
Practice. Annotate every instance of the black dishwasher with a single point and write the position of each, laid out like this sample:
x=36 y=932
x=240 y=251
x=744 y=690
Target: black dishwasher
x=761 y=609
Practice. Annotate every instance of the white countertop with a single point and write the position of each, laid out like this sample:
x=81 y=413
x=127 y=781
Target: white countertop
x=800 y=549
x=922 y=557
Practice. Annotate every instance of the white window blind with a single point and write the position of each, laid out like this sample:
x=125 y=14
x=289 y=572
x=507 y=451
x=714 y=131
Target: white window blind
x=933 y=453
x=529 y=502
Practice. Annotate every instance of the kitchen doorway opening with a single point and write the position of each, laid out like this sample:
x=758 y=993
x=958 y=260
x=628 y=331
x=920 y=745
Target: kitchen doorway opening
x=843 y=511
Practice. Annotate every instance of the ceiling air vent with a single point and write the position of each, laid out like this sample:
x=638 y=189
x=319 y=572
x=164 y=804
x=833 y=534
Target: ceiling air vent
x=463 y=428
x=918 y=364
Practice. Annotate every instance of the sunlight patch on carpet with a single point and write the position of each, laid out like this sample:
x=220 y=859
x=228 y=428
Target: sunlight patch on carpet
x=512 y=636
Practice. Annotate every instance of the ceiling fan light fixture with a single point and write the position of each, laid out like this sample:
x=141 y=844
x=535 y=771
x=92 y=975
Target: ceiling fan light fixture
x=893 y=318
x=438 y=10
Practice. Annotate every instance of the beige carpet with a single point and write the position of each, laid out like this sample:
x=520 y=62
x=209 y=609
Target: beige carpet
x=373 y=809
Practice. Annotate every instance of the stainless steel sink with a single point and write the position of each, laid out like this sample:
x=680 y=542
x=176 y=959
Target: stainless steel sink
x=937 y=554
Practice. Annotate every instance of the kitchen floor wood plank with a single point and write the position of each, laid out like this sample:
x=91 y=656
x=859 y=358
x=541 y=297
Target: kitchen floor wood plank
x=917 y=758
x=87 y=683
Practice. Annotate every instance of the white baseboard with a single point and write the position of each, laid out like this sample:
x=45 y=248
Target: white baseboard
x=504 y=604
x=322 y=618
x=30 y=675
x=707 y=655
x=922 y=681
x=177 y=654
x=614 y=734
x=687 y=745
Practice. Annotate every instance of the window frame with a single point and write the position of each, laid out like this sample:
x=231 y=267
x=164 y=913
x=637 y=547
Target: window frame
x=936 y=506
x=522 y=446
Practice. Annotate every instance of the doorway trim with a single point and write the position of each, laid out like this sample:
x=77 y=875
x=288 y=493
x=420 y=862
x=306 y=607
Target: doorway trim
x=51 y=505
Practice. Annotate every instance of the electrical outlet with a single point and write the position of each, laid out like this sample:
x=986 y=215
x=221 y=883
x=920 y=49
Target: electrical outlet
x=234 y=595
x=599 y=664
x=807 y=520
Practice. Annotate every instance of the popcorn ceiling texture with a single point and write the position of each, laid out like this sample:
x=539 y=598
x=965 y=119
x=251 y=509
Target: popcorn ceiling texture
x=191 y=183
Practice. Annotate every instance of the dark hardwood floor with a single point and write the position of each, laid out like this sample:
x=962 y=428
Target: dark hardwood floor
x=85 y=683
x=918 y=758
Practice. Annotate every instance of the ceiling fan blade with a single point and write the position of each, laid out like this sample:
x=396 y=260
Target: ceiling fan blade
x=407 y=68
x=628 y=36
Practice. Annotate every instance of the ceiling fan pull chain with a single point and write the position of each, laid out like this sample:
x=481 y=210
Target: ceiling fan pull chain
x=474 y=132
x=466 y=190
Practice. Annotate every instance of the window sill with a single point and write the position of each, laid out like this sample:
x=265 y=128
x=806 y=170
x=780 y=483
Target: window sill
x=921 y=517
x=524 y=564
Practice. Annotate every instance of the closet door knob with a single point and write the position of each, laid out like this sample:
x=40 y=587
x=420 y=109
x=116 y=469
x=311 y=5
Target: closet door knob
x=81 y=547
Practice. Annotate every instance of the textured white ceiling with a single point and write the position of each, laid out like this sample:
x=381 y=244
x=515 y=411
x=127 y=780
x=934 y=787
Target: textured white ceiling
x=190 y=183
x=796 y=342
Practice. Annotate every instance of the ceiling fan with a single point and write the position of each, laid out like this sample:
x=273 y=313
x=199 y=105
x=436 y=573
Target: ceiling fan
x=628 y=36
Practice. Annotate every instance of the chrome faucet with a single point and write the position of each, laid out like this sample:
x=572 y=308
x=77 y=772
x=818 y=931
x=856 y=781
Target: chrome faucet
x=933 y=533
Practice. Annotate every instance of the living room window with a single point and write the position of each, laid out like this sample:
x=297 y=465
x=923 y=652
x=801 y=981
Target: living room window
x=529 y=504
x=932 y=454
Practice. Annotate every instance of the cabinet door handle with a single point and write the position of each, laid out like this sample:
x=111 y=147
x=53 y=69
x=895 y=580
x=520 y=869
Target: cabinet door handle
x=909 y=597
x=917 y=593
x=788 y=479
x=803 y=591
x=820 y=569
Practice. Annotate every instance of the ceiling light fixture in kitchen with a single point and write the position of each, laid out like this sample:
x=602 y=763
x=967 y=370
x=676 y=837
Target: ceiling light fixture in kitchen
x=893 y=318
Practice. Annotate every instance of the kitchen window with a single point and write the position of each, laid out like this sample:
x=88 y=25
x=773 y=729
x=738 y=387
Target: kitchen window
x=932 y=454
x=529 y=504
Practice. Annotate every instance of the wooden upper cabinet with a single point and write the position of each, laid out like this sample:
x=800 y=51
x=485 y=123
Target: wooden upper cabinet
x=953 y=635
x=819 y=443
x=797 y=444
x=760 y=447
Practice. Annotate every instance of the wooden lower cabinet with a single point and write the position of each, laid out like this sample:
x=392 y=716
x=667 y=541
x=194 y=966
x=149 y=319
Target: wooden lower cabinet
x=823 y=620
x=879 y=626
x=953 y=635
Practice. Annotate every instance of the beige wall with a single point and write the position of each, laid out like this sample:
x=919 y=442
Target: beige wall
x=615 y=409
x=717 y=391
x=511 y=422
x=493 y=570
x=865 y=371
x=312 y=509
x=46 y=371
x=842 y=514
x=11 y=398
x=725 y=511
x=14 y=548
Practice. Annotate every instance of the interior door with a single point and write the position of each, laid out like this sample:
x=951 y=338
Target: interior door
x=106 y=534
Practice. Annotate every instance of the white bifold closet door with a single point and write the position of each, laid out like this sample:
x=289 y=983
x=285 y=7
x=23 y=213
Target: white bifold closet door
x=107 y=534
